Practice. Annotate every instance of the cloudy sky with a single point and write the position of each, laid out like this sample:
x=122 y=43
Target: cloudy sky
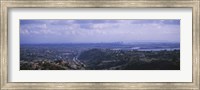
x=98 y=31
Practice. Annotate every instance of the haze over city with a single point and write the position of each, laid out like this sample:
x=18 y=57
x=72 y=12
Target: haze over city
x=99 y=44
x=98 y=31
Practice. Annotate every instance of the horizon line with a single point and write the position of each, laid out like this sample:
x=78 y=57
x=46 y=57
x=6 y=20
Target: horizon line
x=99 y=43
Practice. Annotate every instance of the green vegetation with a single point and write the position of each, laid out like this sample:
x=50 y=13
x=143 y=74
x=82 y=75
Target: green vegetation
x=98 y=59
x=131 y=60
x=50 y=65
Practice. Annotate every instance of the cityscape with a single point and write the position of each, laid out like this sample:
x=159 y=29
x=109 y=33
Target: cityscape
x=99 y=44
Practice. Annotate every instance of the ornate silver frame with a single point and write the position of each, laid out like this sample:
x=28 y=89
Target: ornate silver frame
x=6 y=4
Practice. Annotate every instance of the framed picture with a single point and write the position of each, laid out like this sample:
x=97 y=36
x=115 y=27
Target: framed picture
x=77 y=44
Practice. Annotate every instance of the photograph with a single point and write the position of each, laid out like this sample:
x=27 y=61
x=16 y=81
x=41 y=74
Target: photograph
x=99 y=44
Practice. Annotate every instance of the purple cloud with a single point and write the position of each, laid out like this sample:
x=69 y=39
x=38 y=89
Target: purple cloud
x=81 y=31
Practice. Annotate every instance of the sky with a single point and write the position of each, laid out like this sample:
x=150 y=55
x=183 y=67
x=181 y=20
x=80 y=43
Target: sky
x=33 y=31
